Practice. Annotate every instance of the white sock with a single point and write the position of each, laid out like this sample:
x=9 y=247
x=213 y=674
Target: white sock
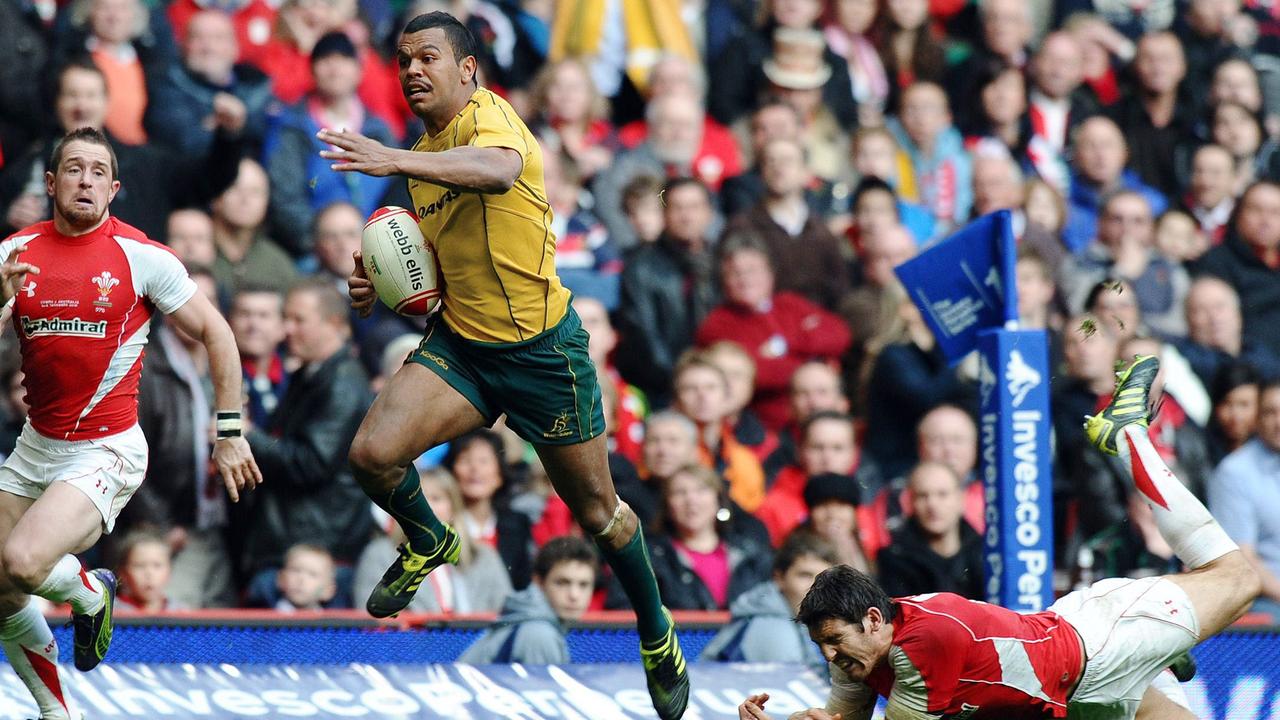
x=1183 y=521
x=70 y=583
x=30 y=647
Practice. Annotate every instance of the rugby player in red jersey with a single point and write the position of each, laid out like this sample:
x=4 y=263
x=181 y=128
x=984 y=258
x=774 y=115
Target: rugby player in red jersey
x=1093 y=654
x=81 y=290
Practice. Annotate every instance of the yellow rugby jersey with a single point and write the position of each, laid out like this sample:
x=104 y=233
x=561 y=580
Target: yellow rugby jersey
x=496 y=252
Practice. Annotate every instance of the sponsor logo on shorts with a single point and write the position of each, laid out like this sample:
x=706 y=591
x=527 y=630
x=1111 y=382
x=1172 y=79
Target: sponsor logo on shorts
x=444 y=364
x=74 y=327
x=559 y=428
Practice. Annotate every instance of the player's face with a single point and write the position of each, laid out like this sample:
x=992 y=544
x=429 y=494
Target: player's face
x=798 y=578
x=568 y=588
x=82 y=185
x=855 y=649
x=431 y=77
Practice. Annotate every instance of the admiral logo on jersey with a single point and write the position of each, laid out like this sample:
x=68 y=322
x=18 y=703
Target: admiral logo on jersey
x=75 y=327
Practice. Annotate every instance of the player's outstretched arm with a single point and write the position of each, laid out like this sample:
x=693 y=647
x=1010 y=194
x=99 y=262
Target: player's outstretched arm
x=468 y=168
x=200 y=319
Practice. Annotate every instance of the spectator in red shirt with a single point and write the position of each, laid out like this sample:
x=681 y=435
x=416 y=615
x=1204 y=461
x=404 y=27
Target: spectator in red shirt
x=718 y=156
x=828 y=445
x=779 y=330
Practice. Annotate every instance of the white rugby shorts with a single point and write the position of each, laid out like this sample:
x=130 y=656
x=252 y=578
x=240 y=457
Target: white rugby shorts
x=108 y=470
x=1132 y=630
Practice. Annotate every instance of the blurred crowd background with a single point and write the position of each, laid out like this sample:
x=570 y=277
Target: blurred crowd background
x=733 y=182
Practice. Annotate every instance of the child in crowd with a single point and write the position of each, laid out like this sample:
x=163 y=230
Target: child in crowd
x=144 y=568
x=530 y=628
x=642 y=203
x=308 y=579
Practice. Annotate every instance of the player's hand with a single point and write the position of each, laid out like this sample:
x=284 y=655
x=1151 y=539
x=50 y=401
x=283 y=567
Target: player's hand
x=13 y=274
x=360 y=287
x=229 y=113
x=357 y=153
x=753 y=707
x=236 y=465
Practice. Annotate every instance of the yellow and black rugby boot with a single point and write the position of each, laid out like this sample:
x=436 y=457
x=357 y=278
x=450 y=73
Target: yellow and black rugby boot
x=1130 y=404
x=665 y=673
x=93 y=632
x=400 y=582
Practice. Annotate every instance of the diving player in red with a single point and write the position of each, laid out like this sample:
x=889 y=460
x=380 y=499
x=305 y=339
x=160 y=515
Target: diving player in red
x=1094 y=654
x=81 y=290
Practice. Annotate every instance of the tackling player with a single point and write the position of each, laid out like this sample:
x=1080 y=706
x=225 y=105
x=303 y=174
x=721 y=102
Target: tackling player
x=507 y=339
x=81 y=290
x=1093 y=654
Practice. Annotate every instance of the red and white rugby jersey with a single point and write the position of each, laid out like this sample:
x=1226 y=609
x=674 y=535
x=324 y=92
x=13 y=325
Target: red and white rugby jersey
x=967 y=659
x=83 y=321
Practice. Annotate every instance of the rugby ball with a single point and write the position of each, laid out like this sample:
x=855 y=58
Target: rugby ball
x=400 y=262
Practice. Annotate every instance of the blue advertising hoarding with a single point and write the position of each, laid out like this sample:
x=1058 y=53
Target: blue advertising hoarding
x=1016 y=467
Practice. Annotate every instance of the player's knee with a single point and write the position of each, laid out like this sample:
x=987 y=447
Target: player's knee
x=23 y=567
x=599 y=515
x=371 y=463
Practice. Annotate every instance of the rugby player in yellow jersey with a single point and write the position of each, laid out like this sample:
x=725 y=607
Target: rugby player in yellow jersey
x=507 y=340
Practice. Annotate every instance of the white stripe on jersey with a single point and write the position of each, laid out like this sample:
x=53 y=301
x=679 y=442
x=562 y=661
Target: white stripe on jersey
x=122 y=360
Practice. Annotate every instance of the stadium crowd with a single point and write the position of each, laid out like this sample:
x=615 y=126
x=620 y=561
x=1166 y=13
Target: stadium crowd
x=733 y=182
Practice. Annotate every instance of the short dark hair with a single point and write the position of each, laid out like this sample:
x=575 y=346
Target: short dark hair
x=870 y=184
x=1108 y=284
x=88 y=135
x=824 y=415
x=483 y=436
x=1232 y=376
x=566 y=548
x=804 y=543
x=1267 y=386
x=842 y=593
x=461 y=41
x=680 y=183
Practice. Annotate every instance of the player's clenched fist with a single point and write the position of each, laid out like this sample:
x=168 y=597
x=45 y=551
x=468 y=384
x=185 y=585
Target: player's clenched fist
x=360 y=287
x=236 y=465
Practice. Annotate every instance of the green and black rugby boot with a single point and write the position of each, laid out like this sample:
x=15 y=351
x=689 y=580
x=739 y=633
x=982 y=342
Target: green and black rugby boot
x=400 y=582
x=665 y=672
x=1130 y=404
x=93 y=632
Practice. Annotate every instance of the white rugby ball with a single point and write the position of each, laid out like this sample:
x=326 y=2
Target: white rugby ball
x=400 y=262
